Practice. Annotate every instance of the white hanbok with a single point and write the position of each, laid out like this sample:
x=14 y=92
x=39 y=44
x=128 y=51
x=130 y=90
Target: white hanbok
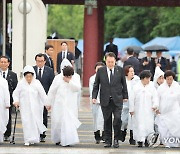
x=4 y=102
x=125 y=116
x=168 y=120
x=142 y=100
x=98 y=120
x=31 y=98
x=63 y=97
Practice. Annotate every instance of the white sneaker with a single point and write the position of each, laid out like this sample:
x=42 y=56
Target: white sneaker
x=26 y=144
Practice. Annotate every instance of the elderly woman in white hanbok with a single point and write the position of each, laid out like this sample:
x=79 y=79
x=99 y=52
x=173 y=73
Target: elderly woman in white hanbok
x=62 y=100
x=143 y=101
x=98 y=120
x=158 y=77
x=4 y=106
x=30 y=97
x=126 y=119
x=168 y=119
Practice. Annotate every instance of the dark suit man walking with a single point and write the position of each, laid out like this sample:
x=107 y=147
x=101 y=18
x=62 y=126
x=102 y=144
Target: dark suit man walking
x=112 y=84
x=64 y=54
x=45 y=75
x=49 y=49
x=132 y=61
x=111 y=48
x=11 y=78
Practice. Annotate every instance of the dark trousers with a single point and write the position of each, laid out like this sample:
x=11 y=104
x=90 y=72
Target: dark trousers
x=45 y=121
x=107 y=114
x=8 y=131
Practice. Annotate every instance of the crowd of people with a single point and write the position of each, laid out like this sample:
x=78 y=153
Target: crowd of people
x=134 y=98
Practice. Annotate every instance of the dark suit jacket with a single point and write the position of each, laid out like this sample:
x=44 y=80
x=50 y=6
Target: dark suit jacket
x=12 y=83
x=112 y=48
x=117 y=89
x=70 y=57
x=134 y=62
x=151 y=66
x=48 y=63
x=164 y=64
x=47 y=77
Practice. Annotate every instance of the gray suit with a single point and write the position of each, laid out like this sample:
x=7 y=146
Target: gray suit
x=111 y=99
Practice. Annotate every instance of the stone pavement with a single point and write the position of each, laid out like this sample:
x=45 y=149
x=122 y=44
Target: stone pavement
x=87 y=144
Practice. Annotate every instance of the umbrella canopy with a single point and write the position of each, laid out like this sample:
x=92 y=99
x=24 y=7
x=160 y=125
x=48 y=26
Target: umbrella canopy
x=156 y=48
x=137 y=49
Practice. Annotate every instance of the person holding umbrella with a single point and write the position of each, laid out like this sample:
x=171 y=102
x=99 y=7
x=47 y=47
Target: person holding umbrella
x=148 y=63
x=161 y=61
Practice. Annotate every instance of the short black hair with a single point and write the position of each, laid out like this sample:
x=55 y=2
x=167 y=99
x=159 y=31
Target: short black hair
x=40 y=55
x=99 y=64
x=48 y=46
x=5 y=58
x=130 y=51
x=145 y=74
x=64 y=42
x=68 y=71
x=110 y=54
x=169 y=73
x=28 y=73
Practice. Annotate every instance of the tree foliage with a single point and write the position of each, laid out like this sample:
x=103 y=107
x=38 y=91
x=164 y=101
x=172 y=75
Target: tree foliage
x=144 y=23
x=66 y=20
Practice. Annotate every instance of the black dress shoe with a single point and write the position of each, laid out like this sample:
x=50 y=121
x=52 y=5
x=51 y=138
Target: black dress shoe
x=58 y=143
x=98 y=141
x=123 y=135
x=42 y=139
x=116 y=144
x=140 y=144
x=146 y=143
x=107 y=145
x=132 y=142
x=6 y=138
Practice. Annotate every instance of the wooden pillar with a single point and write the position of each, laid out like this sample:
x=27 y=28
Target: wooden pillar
x=93 y=41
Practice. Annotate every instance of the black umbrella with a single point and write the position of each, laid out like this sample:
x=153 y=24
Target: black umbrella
x=136 y=49
x=156 y=48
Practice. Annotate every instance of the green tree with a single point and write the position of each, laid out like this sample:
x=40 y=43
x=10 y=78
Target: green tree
x=66 y=20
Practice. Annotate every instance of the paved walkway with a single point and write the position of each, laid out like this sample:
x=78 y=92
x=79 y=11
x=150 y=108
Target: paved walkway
x=87 y=144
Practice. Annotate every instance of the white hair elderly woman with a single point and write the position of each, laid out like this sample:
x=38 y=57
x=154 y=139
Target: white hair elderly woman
x=4 y=106
x=30 y=96
x=62 y=100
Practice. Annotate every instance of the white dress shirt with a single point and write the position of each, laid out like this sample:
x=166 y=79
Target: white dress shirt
x=6 y=72
x=109 y=73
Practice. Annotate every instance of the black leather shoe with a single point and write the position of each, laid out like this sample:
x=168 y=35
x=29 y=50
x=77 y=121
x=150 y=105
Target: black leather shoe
x=132 y=142
x=58 y=143
x=140 y=144
x=42 y=139
x=6 y=138
x=107 y=145
x=146 y=143
x=98 y=141
x=116 y=144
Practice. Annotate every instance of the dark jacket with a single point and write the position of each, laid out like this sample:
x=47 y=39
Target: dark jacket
x=134 y=62
x=51 y=65
x=70 y=56
x=117 y=89
x=112 y=48
x=47 y=77
x=12 y=83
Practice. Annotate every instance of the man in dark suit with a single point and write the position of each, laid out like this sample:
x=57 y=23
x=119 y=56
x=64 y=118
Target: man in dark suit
x=64 y=54
x=111 y=48
x=49 y=49
x=132 y=61
x=11 y=78
x=112 y=83
x=161 y=61
x=148 y=63
x=45 y=75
